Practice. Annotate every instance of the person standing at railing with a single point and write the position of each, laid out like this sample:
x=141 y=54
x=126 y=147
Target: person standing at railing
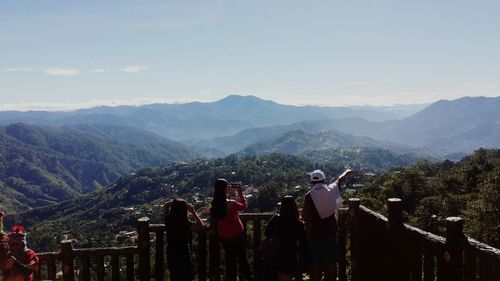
x=179 y=235
x=321 y=204
x=288 y=236
x=229 y=229
x=22 y=262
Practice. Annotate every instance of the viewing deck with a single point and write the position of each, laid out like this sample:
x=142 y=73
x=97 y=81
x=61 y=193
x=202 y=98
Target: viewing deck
x=372 y=247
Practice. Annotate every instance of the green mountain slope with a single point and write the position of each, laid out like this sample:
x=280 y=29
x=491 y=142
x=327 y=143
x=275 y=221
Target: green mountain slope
x=42 y=165
x=95 y=218
x=297 y=142
x=469 y=188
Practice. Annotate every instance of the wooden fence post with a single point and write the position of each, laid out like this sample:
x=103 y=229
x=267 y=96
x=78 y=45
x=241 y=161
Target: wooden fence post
x=101 y=271
x=342 y=272
x=398 y=269
x=354 y=204
x=395 y=213
x=115 y=268
x=454 y=245
x=159 y=253
x=202 y=255
x=130 y=267
x=256 y=242
x=144 y=251
x=66 y=249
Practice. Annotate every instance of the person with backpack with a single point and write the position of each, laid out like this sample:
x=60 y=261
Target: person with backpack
x=229 y=228
x=321 y=204
x=179 y=235
x=23 y=262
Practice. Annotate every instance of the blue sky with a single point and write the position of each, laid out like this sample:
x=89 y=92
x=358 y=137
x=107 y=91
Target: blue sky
x=59 y=54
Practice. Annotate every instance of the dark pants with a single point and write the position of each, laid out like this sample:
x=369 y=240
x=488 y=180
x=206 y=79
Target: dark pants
x=235 y=249
x=180 y=267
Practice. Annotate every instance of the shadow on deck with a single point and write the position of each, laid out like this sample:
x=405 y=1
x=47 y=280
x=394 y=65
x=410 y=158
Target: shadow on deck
x=372 y=247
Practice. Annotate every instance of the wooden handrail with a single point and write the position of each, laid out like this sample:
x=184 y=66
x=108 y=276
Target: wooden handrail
x=483 y=248
x=113 y=251
x=404 y=252
x=381 y=248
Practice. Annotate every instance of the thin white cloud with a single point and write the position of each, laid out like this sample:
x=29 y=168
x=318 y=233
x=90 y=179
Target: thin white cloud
x=62 y=71
x=363 y=100
x=90 y=104
x=352 y=83
x=99 y=70
x=19 y=69
x=134 y=68
x=57 y=71
x=388 y=80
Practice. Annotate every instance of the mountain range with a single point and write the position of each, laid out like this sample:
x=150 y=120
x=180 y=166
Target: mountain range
x=198 y=120
x=67 y=154
x=71 y=166
x=442 y=128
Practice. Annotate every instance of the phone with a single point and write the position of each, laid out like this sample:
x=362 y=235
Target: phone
x=235 y=184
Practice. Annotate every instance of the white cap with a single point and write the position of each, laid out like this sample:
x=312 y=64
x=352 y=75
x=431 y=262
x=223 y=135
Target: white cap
x=317 y=175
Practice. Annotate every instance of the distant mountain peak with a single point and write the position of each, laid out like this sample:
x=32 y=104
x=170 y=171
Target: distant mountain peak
x=237 y=99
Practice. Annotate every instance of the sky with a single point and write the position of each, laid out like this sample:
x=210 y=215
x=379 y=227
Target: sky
x=71 y=54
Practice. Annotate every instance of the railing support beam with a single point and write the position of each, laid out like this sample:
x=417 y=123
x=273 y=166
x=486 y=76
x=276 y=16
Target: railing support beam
x=67 y=260
x=353 y=212
x=397 y=263
x=144 y=250
x=454 y=244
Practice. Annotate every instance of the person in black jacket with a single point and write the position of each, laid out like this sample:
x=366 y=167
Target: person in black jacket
x=289 y=232
x=179 y=235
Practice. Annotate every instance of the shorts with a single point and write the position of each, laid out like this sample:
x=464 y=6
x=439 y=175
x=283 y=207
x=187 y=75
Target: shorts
x=324 y=252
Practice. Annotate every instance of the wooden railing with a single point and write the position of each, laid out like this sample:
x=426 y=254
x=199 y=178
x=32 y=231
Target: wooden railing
x=108 y=263
x=387 y=249
x=381 y=248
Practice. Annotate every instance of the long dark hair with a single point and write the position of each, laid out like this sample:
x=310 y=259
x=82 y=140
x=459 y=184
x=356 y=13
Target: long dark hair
x=289 y=210
x=219 y=202
x=177 y=218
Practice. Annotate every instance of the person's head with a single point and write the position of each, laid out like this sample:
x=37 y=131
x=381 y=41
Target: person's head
x=177 y=219
x=289 y=209
x=316 y=176
x=178 y=210
x=17 y=238
x=219 y=202
x=221 y=187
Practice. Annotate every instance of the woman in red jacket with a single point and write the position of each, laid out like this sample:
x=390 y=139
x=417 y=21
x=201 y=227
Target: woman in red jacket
x=230 y=230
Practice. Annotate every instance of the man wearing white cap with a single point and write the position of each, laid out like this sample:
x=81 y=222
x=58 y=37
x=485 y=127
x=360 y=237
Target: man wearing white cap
x=321 y=204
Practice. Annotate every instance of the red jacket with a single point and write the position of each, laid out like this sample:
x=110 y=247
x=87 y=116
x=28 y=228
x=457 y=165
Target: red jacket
x=28 y=258
x=231 y=226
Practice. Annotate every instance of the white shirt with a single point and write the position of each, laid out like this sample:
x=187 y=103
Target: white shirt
x=327 y=199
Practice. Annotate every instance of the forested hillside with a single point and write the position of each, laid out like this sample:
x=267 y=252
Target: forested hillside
x=432 y=192
x=42 y=165
x=367 y=159
x=296 y=142
x=95 y=219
